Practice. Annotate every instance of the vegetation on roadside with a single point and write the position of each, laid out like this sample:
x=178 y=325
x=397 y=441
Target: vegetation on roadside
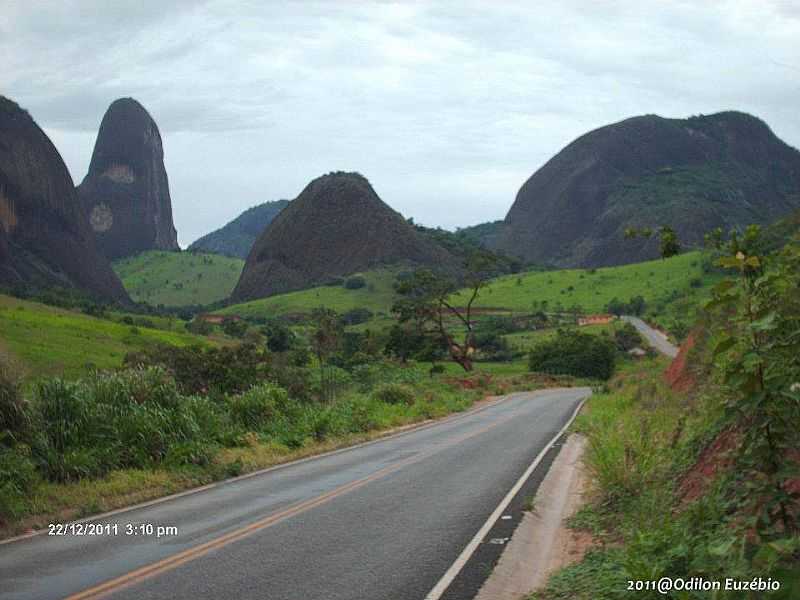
x=74 y=448
x=704 y=483
x=575 y=353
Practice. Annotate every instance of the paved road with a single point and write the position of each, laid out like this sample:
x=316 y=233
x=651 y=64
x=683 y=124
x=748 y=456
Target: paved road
x=656 y=339
x=382 y=521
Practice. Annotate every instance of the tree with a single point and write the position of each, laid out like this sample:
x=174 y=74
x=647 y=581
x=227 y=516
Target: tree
x=325 y=341
x=355 y=282
x=405 y=341
x=426 y=302
x=758 y=355
x=670 y=246
x=279 y=336
x=234 y=327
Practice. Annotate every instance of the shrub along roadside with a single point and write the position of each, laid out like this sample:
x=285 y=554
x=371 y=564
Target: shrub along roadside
x=118 y=438
x=574 y=353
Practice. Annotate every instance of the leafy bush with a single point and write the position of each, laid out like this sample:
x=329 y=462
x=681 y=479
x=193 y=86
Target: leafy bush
x=354 y=283
x=14 y=413
x=196 y=453
x=65 y=414
x=258 y=406
x=333 y=282
x=573 y=353
x=135 y=386
x=279 y=336
x=356 y=316
x=126 y=419
x=17 y=478
x=627 y=338
x=199 y=327
x=635 y=306
x=199 y=370
x=234 y=327
x=395 y=393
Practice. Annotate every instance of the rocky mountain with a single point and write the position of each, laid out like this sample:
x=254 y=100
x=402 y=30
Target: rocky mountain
x=337 y=225
x=126 y=193
x=45 y=238
x=237 y=237
x=722 y=170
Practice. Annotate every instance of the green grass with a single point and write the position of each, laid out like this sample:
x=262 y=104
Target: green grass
x=666 y=286
x=54 y=341
x=642 y=438
x=526 y=340
x=179 y=278
x=656 y=281
x=377 y=296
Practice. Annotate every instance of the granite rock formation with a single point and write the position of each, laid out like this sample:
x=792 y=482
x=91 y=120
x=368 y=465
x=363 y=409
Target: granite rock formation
x=722 y=170
x=126 y=193
x=337 y=226
x=45 y=239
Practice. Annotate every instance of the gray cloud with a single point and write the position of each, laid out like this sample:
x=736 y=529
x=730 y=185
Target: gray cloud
x=446 y=107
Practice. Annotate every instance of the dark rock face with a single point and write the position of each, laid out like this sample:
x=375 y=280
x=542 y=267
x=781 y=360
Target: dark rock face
x=126 y=193
x=337 y=226
x=722 y=170
x=45 y=238
x=237 y=237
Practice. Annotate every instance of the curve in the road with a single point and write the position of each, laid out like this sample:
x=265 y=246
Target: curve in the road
x=656 y=339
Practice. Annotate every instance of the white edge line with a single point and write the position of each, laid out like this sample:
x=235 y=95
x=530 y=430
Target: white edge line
x=412 y=428
x=467 y=553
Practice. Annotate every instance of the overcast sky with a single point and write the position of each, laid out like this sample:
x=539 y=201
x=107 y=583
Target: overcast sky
x=447 y=107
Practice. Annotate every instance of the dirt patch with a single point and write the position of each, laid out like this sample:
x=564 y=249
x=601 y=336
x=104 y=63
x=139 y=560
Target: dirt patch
x=716 y=457
x=479 y=381
x=678 y=376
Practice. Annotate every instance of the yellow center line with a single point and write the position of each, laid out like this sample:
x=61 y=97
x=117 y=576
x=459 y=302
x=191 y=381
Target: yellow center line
x=174 y=561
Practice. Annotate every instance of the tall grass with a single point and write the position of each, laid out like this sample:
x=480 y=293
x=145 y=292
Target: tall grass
x=642 y=438
x=135 y=420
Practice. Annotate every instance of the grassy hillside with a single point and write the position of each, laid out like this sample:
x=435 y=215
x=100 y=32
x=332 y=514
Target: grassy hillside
x=377 y=295
x=178 y=278
x=591 y=289
x=672 y=289
x=53 y=341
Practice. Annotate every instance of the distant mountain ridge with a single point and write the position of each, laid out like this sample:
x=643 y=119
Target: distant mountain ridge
x=45 y=240
x=722 y=170
x=336 y=226
x=237 y=237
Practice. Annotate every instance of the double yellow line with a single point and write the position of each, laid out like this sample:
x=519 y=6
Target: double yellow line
x=174 y=561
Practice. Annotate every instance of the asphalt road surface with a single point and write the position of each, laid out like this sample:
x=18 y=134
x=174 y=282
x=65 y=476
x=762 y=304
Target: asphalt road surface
x=654 y=337
x=381 y=521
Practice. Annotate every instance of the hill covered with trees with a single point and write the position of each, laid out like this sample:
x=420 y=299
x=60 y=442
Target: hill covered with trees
x=237 y=237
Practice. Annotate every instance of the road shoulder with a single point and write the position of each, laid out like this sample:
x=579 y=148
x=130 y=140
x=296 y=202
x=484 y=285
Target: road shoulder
x=542 y=544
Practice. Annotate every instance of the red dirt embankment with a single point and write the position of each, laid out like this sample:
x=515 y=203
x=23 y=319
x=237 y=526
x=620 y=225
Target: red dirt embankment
x=678 y=376
x=718 y=455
